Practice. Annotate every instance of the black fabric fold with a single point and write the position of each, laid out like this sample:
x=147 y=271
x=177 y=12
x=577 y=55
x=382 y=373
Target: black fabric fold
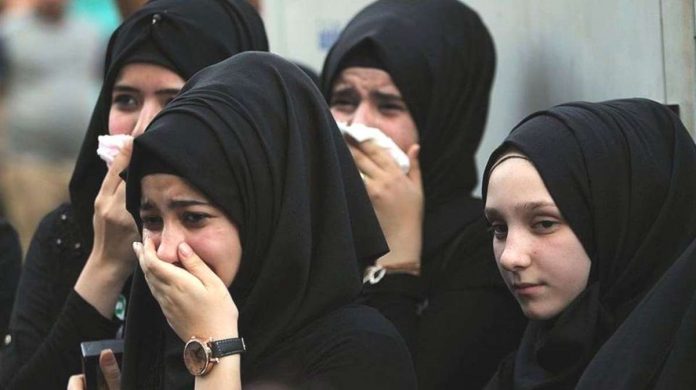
x=181 y=35
x=276 y=164
x=441 y=57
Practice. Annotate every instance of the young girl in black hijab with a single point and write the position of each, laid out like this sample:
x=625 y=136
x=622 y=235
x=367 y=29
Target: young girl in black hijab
x=80 y=259
x=589 y=205
x=262 y=243
x=421 y=71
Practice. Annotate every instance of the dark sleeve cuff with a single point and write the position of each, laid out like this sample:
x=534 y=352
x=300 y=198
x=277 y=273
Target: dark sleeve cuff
x=403 y=284
x=86 y=321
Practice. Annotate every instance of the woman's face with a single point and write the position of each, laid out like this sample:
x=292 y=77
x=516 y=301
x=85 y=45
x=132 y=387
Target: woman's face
x=140 y=92
x=368 y=96
x=539 y=256
x=174 y=212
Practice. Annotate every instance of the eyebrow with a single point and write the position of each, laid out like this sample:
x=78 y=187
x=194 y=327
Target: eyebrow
x=344 y=91
x=163 y=91
x=527 y=206
x=174 y=204
x=536 y=205
x=384 y=96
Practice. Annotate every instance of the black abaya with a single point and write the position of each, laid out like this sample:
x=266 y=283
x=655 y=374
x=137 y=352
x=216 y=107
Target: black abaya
x=50 y=319
x=458 y=317
x=277 y=166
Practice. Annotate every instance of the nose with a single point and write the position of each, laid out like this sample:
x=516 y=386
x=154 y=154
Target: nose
x=167 y=244
x=516 y=253
x=365 y=115
x=147 y=113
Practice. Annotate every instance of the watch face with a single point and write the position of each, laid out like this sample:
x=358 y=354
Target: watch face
x=195 y=357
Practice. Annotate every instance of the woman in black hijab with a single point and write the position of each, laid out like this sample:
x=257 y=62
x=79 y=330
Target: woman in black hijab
x=73 y=275
x=278 y=171
x=620 y=179
x=421 y=71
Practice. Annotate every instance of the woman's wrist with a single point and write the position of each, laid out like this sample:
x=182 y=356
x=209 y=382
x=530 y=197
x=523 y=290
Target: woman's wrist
x=100 y=285
x=226 y=374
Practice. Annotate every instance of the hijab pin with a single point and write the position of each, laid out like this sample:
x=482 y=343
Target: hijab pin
x=156 y=18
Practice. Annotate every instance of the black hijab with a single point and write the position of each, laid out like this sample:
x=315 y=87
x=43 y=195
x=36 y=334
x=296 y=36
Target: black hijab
x=276 y=164
x=182 y=35
x=441 y=57
x=655 y=347
x=622 y=174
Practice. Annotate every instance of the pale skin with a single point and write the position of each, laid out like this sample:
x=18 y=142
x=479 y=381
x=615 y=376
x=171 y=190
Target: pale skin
x=369 y=96
x=179 y=225
x=539 y=256
x=190 y=254
x=139 y=93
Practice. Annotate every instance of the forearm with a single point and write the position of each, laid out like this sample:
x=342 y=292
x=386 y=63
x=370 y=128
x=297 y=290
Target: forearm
x=100 y=285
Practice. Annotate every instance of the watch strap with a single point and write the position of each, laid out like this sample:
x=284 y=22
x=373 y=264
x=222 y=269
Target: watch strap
x=226 y=347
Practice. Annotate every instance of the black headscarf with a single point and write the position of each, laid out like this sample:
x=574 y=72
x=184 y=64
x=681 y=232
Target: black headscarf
x=276 y=164
x=182 y=35
x=622 y=174
x=655 y=347
x=441 y=57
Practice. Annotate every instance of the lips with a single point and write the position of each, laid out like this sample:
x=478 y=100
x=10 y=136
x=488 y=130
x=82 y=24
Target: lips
x=526 y=288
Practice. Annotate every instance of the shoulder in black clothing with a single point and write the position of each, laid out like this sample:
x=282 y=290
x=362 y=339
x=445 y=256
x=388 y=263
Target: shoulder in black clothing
x=49 y=320
x=354 y=347
x=10 y=267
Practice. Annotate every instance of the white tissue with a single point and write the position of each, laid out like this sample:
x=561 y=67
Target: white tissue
x=362 y=133
x=110 y=146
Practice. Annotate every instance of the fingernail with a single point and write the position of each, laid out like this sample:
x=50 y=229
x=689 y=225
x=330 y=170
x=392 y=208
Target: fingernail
x=108 y=357
x=137 y=247
x=185 y=249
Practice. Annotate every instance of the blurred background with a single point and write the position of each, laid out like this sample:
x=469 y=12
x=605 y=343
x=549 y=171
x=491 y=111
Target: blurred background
x=549 y=52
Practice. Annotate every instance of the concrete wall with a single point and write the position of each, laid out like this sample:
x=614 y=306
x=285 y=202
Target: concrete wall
x=549 y=51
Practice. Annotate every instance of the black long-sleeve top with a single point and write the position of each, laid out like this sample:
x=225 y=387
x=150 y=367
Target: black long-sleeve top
x=49 y=319
x=10 y=267
x=458 y=318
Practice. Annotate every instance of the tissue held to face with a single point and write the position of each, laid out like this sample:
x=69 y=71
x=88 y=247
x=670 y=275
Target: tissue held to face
x=539 y=256
x=140 y=92
x=368 y=96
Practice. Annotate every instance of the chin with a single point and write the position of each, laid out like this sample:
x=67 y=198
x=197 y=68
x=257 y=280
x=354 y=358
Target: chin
x=539 y=313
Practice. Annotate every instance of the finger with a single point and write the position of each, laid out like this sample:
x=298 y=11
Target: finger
x=379 y=155
x=112 y=178
x=109 y=367
x=414 y=172
x=152 y=266
x=76 y=382
x=159 y=273
x=195 y=265
x=363 y=163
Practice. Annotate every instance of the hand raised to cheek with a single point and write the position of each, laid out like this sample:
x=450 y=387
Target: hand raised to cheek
x=194 y=299
x=114 y=227
x=398 y=202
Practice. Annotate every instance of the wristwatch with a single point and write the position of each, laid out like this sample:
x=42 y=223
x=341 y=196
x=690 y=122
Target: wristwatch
x=200 y=355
